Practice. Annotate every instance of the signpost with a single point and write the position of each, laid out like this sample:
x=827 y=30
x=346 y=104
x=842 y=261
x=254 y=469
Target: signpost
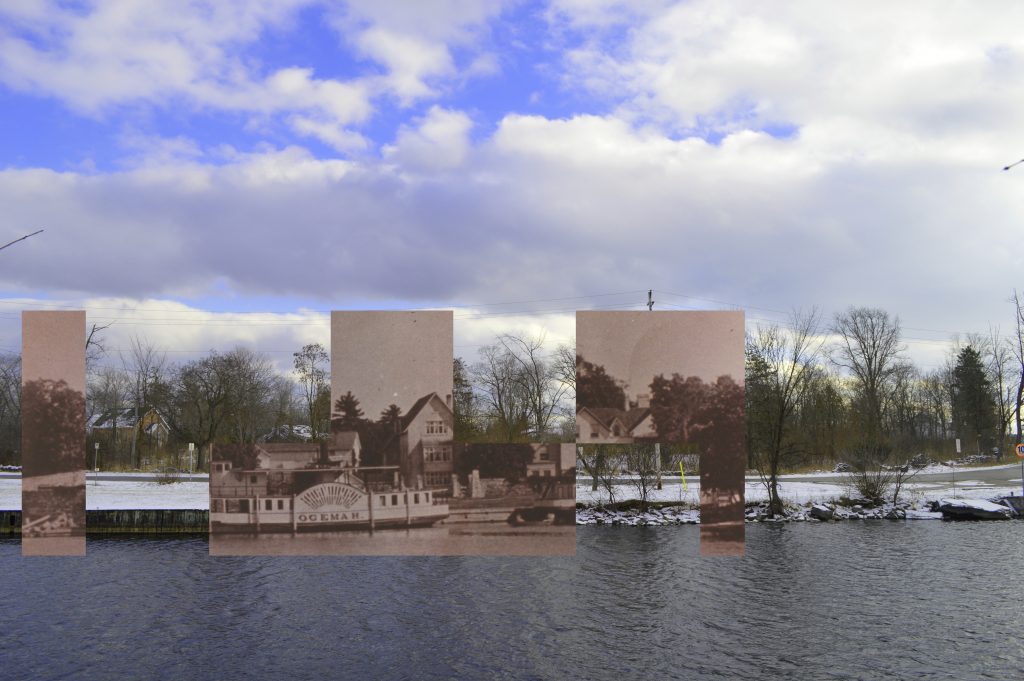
x=1020 y=455
x=191 y=450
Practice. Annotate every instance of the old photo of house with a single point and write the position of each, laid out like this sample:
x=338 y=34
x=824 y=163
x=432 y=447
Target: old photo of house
x=389 y=479
x=53 y=433
x=674 y=378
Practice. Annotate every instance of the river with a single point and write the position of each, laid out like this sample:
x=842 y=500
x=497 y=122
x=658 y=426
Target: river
x=851 y=600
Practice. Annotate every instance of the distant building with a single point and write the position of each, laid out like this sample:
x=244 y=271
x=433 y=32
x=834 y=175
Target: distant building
x=614 y=426
x=119 y=424
x=551 y=460
x=424 y=443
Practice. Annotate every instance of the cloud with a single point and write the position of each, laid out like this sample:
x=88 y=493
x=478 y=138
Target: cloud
x=437 y=141
x=771 y=157
x=415 y=42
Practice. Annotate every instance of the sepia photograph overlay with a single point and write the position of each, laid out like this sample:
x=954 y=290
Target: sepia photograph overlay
x=388 y=478
x=53 y=433
x=659 y=393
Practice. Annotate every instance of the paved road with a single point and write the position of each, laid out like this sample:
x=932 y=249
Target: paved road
x=1000 y=475
x=1005 y=475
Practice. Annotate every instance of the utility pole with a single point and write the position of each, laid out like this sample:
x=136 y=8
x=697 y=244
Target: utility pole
x=650 y=299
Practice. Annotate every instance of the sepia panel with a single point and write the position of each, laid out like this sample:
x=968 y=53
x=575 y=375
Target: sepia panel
x=53 y=434
x=671 y=379
x=389 y=479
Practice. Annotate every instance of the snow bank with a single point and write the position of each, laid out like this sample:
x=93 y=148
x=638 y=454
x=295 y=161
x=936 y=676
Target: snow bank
x=128 y=494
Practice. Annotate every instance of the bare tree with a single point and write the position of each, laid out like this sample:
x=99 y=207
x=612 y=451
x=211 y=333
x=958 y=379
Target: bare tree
x=109 y=394
x=869 y=348
x=602 y=463
x=144 y=367
x=496 y=378
x=641 y=460
x=312 y=369
x=10 y=408
x=780 y=365
x=251 y=391
x=539 y=381
x=1018 y=354
x=563 y=364
x=1000 y=367
x=95 y=347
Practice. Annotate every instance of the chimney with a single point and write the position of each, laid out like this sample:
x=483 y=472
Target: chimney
x=448 y=401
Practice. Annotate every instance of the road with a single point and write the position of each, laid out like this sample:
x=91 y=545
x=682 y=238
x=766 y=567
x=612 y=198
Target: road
x=998 y=475
x=1001 y=476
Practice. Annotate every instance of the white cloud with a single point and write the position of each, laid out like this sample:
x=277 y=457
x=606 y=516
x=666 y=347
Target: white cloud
x=438 y=141
x=414 y=41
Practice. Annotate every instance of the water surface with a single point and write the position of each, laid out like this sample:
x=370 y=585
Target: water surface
x=854 y=600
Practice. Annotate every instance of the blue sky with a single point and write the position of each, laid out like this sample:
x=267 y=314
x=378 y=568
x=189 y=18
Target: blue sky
x=288 y=156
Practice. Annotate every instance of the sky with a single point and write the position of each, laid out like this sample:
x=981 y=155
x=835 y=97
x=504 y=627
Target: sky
x=386 y=358
x=216 y=173
x=634 y=347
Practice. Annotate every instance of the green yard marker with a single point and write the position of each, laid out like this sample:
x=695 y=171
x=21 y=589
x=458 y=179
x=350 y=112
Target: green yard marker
x=682 y=475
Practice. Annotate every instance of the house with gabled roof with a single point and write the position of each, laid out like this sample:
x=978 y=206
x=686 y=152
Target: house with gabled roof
x=118 y=424
x=423 y=443
x=614 y=426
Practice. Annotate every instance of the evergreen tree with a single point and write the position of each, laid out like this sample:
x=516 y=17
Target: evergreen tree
x=974 y=416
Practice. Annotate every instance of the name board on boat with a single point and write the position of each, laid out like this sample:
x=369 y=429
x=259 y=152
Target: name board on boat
x=329 y=497
x=328 y=517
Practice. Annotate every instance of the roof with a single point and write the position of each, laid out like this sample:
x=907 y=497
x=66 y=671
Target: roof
x=607 y=416
x=123 y=418
x=416 y=408
x=407 y=419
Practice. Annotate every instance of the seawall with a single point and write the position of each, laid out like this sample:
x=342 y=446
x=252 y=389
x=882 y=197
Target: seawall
x=127 y=521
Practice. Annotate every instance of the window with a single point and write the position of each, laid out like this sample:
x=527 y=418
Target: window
x=394 y=500
x=437 y=453
x=593 y=433
x=383 y=500
x=415 y=498
x=280 y=504
x=269 y=505
x=437 y=479
x=436 y=428
x=252 y=479
x=426 y=496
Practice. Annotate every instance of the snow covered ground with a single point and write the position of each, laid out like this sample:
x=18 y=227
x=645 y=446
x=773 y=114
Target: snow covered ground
x=800 y=492
x=135 y=494
x=127 y=494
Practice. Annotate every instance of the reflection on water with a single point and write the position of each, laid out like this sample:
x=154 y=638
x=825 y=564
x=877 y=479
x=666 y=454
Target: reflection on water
x=871 y=600
x=458 y=539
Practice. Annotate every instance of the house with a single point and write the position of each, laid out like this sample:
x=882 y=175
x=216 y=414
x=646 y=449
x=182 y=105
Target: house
x=119 y=424
x=343 y=450
x=423 y=443
x=614 y=426
x=551 y=460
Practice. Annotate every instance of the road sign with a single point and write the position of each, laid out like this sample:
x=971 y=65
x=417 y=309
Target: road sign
x=1020 y=450
x=958 y=445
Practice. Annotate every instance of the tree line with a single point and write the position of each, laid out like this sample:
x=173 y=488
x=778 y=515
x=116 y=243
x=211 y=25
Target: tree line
x=821 y=392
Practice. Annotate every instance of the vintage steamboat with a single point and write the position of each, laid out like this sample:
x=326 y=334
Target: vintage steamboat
x=317 y=499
